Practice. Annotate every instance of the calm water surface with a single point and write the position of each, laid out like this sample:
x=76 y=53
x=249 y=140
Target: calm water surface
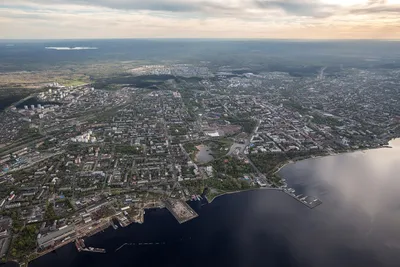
x=203 y=155
x=358 y=224
x=5 y=102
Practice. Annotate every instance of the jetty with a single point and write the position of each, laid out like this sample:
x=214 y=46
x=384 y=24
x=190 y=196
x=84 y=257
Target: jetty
x=310 y=202
x=80 y=246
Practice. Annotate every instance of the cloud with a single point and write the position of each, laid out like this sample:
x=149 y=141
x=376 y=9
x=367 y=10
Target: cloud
x=299 y=7
x=377 y=9
x=150 y=5
x=321 y=19
x=311 y=8
x=374 y=7
x=373 y=2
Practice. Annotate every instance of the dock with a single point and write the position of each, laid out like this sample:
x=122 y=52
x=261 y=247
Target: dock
x=180 y=210
x=96 y=250
x=310 y=202
x=80 y=246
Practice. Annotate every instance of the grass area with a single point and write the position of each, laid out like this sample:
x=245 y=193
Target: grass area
x=228 y=184
x=65 y=77
x=191 y=149
x=74 y=82
x=217 y=186
x=24 y=242
x=122 y=149
x=268 y=163
x=50 y=214
x=294 y=106
x=247 y=124
x=231 y=167
x=325 y=120
x=194 y=186
x=17 y=222
x=142 y=81
x=212 y=194
x=108 y=87
x=218 y=147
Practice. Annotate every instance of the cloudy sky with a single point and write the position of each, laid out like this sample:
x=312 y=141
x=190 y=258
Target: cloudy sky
x=288 y=19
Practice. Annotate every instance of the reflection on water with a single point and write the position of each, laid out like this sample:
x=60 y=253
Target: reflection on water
x=360 y=191
x=356 y=226
x=204 y=154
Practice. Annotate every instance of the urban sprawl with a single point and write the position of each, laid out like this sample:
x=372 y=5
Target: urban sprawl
x=85 y=158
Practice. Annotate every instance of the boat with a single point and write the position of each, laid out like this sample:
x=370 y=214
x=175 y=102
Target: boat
x=114 y=225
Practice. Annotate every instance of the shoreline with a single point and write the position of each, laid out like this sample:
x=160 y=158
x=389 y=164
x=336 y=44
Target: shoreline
x=240 y=191
x=293 y=161
x=105 y=225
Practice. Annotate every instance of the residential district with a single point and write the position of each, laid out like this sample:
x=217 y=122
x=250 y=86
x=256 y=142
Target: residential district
x=80 y=159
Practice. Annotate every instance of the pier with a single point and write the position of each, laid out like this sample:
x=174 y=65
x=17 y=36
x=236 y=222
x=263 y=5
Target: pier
x=80 y=246
x=180 y=209
x=310 y=202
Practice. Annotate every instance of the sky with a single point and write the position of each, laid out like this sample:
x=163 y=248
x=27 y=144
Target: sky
x=276 y=19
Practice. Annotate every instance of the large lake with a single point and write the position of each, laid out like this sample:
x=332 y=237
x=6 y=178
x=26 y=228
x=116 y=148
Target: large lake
x=358 y=224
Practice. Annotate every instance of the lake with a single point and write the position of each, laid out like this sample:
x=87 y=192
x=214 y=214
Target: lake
x=356 y=225
x=203 y=155
x=5 y=102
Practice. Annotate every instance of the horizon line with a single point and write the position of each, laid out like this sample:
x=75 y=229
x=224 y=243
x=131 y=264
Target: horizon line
x=197 y=38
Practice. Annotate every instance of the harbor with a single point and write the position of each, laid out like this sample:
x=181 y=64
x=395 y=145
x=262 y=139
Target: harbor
x=180 y=210
x=80 y=246
x=304 y=184
x=309 y=201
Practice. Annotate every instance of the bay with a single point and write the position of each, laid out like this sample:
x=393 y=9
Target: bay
x=356 y=225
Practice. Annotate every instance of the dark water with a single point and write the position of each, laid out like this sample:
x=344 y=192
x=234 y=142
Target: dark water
x=358 y=223
x=5 y=102
x=9 y=264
